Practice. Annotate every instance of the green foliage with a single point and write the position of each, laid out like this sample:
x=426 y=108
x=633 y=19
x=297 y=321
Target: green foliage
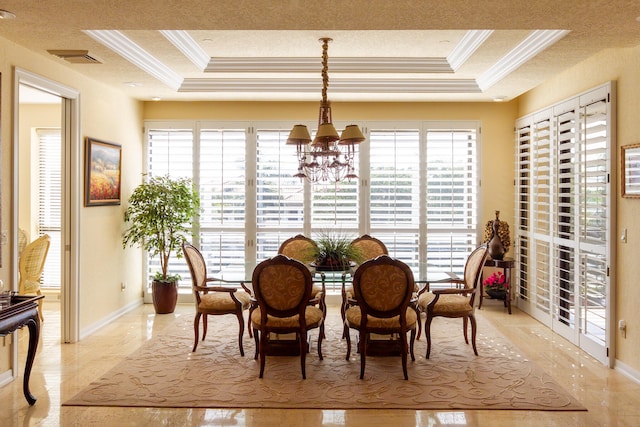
x=159 y=215
x=334 y=248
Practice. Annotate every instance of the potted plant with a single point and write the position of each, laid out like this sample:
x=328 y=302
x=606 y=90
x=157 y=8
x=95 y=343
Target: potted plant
x=158 y=217
x=496 y=286
x=335 y=252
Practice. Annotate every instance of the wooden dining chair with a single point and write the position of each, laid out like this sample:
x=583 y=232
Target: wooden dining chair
x=383 y=288
x=282 y=289
x=456 y=301
x=304 y=249
x=213 y=300
x=368 y=248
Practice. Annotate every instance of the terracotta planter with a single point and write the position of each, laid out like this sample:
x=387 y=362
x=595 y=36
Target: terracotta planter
x=165 y=296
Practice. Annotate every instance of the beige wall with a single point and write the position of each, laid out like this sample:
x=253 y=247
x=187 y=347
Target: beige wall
x=497 y=158
x=107 y=114
x=620 y=65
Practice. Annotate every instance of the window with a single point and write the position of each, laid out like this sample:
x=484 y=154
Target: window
x=50 y=202
x=417 y=190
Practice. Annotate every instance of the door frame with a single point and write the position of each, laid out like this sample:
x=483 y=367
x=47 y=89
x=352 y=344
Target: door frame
x=71 y=180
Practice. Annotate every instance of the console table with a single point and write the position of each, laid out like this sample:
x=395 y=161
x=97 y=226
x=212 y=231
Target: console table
x=23 y=311
x=506 y=265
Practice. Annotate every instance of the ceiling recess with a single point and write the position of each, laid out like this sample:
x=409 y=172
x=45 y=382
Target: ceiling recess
x=75 y=56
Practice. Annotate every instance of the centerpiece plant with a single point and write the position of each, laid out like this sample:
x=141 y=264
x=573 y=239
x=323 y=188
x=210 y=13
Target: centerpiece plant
x=159 y=217
x=335 y=252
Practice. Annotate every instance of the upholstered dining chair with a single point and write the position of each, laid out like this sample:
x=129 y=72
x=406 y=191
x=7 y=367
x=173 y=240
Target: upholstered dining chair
x=31 y=265
x=304 y=249
x=282 y=289
x=382 y=288
x=368 y=248
x=455 y=302
x=214 y=300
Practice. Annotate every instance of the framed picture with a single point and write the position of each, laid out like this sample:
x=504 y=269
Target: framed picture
x=631 y=170
x=102 y=173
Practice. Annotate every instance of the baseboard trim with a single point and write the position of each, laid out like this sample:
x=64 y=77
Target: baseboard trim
x=110 y=318
x=627 y=371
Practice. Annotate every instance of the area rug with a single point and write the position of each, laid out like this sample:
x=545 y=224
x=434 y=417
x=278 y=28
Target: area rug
x=165 y=373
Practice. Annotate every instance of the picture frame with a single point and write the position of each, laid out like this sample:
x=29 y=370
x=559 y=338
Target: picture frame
x=103 y=162
x=630 y=155
x=630 y=162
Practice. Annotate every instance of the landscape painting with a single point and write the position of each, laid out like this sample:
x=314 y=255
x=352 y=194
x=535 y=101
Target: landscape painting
x=102 y=165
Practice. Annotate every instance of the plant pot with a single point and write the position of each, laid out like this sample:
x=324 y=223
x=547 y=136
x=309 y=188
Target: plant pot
x=496 y=293
x=165 y=296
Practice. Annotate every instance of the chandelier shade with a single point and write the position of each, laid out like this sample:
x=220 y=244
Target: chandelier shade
x=322 y=159
x=299 y=135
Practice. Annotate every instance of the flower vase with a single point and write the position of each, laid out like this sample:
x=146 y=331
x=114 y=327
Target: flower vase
x=495 y=247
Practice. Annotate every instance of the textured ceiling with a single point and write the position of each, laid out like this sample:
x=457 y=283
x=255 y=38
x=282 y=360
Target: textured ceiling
x=397 y=50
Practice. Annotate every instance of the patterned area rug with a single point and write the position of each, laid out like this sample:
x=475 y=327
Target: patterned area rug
x=164 y=373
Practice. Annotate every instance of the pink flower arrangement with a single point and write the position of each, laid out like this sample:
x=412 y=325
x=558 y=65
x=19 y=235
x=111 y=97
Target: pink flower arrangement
x=495 y=282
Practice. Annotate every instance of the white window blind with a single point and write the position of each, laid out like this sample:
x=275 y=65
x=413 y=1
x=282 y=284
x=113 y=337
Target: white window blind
x=394 y=200
x=279 y=195
x=523 y=184
x=50 y=202
x=565 y=214
x=170 y=152
x=221 y=178
x=452 y=197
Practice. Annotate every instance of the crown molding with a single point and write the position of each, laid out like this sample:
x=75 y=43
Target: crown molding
x=532 y=45
x=471 y=41
x=336 y=85
x=188 y=46
x=135 y=54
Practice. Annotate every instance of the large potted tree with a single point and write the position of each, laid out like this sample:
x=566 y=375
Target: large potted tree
x=158 y=216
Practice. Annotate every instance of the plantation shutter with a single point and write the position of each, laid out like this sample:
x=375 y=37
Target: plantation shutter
x=523 y=195
x=221 y=177
x=452 y=197
x=394 y=200
x=170 y=152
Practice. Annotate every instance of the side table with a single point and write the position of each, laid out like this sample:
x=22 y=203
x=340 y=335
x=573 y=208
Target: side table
x=23 y=311
x=506 y=265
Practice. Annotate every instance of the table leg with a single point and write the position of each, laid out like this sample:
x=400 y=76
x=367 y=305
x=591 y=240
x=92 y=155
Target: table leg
x=507 y=275
x=34 y=335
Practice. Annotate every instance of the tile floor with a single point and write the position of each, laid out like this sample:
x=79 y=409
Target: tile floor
x=60 y=371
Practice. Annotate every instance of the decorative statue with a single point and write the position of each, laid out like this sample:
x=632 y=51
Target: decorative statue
x=496 y=233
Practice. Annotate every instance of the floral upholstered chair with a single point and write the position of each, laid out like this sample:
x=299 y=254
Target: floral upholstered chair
x=282 y=289
x=455 y=302
x=382 y=288
x=304 y=249
x=215 y=300
x=368 y=248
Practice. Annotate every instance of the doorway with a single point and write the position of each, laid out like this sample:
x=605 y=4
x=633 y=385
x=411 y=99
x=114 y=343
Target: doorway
x=61 y=104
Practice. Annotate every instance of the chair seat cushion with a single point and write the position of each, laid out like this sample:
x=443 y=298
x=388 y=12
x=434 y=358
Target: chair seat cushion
x=221 y=302
x=447 y=305
x=351 y=295
x=313 y=316
x=353 y=317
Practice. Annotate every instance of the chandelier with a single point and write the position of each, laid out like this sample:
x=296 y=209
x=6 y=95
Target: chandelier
x=329 y=157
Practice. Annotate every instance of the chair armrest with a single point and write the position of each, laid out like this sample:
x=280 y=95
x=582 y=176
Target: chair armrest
x=449 y=277
x=452 y=291
x=215 y=289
